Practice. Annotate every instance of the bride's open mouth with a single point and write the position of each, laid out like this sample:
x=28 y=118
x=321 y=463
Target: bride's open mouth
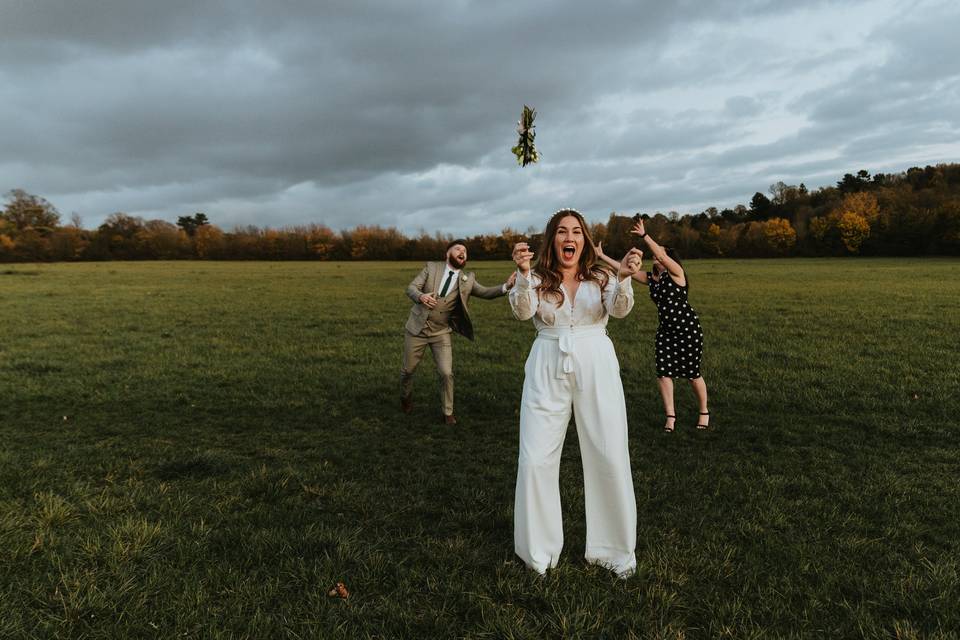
x=569 y=251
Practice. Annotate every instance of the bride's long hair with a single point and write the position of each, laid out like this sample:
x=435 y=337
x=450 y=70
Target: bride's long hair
x=547 y=266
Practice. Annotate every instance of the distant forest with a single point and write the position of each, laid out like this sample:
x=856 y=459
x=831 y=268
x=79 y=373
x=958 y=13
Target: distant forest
x=913 y=213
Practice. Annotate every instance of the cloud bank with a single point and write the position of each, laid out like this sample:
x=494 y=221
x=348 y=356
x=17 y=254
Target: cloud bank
x=402 y=114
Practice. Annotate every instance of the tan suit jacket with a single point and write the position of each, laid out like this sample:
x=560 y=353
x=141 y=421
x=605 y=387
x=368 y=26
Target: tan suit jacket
x=428 y=281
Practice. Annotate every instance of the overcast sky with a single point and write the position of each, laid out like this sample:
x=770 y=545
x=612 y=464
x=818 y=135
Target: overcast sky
x=403 y=113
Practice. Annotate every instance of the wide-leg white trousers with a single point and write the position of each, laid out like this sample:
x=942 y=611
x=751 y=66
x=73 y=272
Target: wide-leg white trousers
x=574 y=370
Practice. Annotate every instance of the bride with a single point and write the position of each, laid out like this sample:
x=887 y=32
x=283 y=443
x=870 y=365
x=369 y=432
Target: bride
x=572 y=368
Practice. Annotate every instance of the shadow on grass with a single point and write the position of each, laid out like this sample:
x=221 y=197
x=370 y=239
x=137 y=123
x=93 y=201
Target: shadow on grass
x=18 y=272
x=196 y=467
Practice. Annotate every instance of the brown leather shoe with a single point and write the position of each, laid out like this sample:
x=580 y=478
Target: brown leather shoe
x=406 y=404
x=450 y=420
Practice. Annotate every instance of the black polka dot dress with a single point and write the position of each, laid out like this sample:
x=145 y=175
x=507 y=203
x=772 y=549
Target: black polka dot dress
x=679 y=343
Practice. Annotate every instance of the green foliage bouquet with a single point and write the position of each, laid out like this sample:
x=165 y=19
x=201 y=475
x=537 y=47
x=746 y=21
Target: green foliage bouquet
x=525 y=150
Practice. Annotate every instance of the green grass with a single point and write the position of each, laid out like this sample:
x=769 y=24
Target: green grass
x=202 y=449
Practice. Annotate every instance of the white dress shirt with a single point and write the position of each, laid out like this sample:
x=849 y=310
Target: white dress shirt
x=590 y=306
x=453 y=281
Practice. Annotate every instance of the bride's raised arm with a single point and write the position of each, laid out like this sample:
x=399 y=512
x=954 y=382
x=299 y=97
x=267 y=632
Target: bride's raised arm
x=618 y=295
x=639 y=276
x=523 y=296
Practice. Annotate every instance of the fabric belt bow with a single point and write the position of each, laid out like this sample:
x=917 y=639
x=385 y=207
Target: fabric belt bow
x=566 y=339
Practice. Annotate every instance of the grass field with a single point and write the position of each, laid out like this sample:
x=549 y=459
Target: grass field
x=202 y=450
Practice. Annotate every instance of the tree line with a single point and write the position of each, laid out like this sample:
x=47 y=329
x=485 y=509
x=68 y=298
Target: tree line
x=913 y=213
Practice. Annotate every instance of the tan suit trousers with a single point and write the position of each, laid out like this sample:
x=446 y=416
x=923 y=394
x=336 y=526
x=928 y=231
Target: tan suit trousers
x=442 y=348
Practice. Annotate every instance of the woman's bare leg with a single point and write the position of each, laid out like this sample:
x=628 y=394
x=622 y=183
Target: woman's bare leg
x=666 y=392
x=700 y=390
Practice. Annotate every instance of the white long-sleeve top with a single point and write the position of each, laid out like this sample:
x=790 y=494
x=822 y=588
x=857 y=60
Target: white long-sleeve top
x=592 y=306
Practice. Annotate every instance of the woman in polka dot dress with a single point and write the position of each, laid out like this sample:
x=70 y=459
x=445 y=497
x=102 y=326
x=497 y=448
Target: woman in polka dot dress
x=679 y=341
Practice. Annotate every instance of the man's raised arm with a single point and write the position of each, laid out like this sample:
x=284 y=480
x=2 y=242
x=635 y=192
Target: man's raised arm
x=489 y=293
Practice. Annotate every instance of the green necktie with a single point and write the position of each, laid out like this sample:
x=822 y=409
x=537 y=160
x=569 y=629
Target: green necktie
x=446 y=284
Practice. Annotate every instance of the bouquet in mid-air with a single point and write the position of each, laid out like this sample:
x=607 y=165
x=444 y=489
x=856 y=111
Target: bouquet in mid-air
x=525 y=150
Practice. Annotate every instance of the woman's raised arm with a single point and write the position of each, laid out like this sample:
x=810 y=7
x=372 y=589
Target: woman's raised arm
x=639 y=276
x=618 y=296
x=659 y=253
x=523 y=296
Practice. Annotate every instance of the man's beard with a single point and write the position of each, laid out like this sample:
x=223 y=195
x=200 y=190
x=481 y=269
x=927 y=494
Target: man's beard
x=458 y=262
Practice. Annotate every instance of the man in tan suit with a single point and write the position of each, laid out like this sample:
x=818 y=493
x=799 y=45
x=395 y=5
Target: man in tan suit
x=440 y=293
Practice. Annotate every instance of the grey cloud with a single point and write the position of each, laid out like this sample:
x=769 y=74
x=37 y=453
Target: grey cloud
x=743 y=106
x=402 y=113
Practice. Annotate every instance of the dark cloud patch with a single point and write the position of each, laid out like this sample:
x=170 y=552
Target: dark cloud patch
x=742 y=106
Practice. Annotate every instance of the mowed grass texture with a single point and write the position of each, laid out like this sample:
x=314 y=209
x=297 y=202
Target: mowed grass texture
x=202 y=450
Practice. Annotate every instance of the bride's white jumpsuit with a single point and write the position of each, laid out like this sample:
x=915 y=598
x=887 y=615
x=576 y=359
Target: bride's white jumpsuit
x=572 y=367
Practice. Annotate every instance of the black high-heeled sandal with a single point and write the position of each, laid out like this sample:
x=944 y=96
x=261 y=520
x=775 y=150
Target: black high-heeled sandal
x=703 y=427
x=670 y=429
